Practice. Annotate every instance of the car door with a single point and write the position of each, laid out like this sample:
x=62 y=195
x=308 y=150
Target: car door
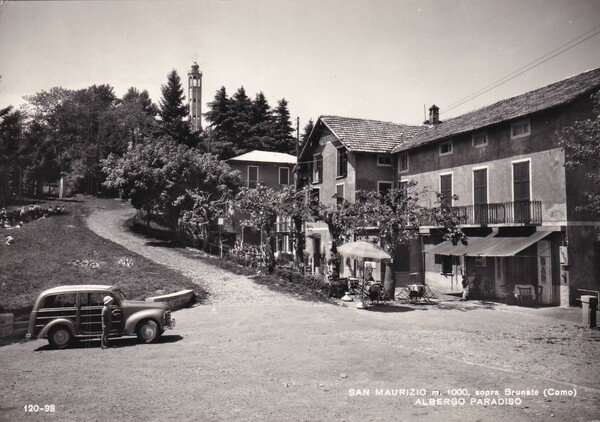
x=116 y=310
x=91 y=304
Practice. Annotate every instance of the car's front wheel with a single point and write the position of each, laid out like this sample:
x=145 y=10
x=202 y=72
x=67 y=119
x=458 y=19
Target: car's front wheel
x=148 y=331
x=60 y=337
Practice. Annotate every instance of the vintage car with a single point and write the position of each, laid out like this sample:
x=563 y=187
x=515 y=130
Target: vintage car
x=66 y=313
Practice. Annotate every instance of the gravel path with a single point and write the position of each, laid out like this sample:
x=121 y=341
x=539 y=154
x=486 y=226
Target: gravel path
x=284 y=359
x=224 y=288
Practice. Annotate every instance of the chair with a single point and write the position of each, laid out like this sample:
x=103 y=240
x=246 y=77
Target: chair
x=503 y=294
x=525 y=295
x=376 y=292
x=417 y=293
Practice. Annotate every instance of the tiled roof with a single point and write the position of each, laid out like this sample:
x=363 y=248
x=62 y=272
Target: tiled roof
x=361 y=135
x=552 y=95
x=257 y=156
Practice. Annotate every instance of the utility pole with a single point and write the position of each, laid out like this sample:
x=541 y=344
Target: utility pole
x=297 y=150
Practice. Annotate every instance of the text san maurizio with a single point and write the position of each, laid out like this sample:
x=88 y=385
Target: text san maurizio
x=464 y=396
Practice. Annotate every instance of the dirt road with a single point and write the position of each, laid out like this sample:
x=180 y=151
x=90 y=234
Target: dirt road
x=261 y=356
x=224 y=287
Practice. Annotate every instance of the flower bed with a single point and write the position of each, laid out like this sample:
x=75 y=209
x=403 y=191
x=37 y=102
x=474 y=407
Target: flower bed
x=17 y=217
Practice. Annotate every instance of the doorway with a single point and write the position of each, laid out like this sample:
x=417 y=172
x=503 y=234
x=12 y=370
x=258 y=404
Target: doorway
x=544 y=253
x=316 y=254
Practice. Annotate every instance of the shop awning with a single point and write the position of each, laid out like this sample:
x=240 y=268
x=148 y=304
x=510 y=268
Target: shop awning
x=491 y=245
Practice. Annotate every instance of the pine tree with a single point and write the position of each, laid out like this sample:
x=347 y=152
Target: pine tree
x=262 y=129
x=284 y=141
x=241 y=111
x=174 y=112
x=219 y=137
x=306 y=133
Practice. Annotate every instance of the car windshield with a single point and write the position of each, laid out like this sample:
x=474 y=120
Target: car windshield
x=119 y=295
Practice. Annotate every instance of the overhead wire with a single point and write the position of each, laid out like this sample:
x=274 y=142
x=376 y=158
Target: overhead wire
x=531 y=65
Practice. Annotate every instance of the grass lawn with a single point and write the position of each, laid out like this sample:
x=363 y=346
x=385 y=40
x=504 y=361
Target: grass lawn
x=59 y=250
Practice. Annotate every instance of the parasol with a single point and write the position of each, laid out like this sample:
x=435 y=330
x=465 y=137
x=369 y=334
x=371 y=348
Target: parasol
x=362 y=249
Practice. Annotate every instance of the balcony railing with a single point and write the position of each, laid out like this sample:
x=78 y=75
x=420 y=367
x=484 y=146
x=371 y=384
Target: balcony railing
x=518 y=212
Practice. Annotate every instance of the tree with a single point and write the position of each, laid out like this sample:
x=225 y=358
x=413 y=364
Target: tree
x=262 y=206
x=68 y=125
x=220 y=137
x=173 y=111
x=262 y=125
x=581 y=143
x=397 y=215
x=11 y=135
x=283 y=130
x=342 y=219
x=241 y=112
x=132 y=120
x=306 y=133
x=133 y=95
x=173 y=181
x=294 y=206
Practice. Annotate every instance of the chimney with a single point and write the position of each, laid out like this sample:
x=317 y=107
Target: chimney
x=434 y=115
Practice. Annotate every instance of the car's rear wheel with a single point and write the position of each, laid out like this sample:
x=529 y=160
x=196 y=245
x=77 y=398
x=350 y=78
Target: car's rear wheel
x=60 y=337
x=148 y=331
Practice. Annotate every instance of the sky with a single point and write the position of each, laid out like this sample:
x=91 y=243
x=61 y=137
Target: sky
x=370 y=59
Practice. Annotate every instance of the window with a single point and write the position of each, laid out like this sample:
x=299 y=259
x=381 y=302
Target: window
x=252 y=176
x=520 y=129
x=315 y=194
x=480 y=139
x=521 y=182
x=342 y=162
x=446 y=188
x=521 y=192
x=339 y=191
x=384 y=160
x=446 y=148
x=403 y=186
x=384 y=187
x=317 y=168
x=403 y=162
x=284 y=176
x=59 y=301
x=92 y=299
x=480 y=195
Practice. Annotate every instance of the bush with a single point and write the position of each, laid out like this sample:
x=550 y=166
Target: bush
x=334 y=288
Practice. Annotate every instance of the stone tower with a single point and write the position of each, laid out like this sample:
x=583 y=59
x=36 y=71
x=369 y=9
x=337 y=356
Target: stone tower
x=195 y=97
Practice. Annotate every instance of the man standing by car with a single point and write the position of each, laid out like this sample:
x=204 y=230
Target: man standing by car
x=106 y=321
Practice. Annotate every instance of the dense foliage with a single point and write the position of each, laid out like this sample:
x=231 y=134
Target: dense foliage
x=68 y=132
x=174 y=113
x=186 y=188
x=581 y=142
x=239 y=124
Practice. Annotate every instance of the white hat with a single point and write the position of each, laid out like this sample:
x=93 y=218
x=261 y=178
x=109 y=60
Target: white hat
x=107 y=299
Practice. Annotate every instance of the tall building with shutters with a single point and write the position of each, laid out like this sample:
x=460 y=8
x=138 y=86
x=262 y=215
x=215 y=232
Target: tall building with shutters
x=195 y=97
x=517 y=201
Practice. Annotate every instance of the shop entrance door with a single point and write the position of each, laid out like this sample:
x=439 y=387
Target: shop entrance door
x=545 y=271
